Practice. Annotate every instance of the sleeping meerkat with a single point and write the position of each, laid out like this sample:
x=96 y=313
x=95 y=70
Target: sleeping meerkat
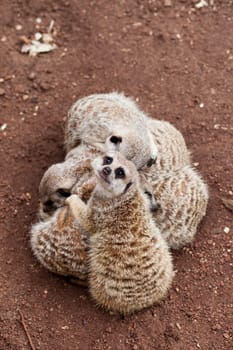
x=130 y=266
x=59 y=180
x=97 y=117
x=61 y=245
x=172 y=150
x=183 y=197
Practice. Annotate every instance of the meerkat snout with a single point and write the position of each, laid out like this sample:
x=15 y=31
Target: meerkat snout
x=115 y=139
x=106 y=171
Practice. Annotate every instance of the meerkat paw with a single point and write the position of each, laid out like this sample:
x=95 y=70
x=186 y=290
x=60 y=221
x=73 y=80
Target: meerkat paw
x=75 y=203
x=79 y=210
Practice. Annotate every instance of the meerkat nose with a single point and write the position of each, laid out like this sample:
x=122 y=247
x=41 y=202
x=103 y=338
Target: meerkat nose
x=106 y=171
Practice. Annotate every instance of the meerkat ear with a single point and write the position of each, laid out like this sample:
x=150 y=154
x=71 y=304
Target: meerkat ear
x=127 y=186
x=115 y=139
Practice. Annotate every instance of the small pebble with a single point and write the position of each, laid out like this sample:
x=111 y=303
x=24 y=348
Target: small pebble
x=25 y=97
x=226 y=229
x=32 y=76
x=201 y=105
x=4 y=126
x=18 y=27
x=38 y=36
x=1 y=80
x=167 y=3
x=226 y=335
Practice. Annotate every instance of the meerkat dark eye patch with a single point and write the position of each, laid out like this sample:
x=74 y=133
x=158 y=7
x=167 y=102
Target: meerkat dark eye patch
x=149 y=194
x=64 y=193
x=120 y=173
x=48 y=206
x=150 y=162
x=107 y=160
x=127 y=186
x=116 y=139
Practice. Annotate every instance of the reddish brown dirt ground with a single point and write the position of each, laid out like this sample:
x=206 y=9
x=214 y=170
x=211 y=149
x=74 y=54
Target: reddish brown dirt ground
x=172 y=60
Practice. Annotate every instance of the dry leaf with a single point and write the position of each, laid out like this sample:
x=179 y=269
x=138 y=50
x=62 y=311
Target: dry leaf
x=228 y=203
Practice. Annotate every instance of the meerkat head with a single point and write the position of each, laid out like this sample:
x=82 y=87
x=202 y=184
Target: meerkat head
x=133 y=147
x=55 y=186
x=115 y=174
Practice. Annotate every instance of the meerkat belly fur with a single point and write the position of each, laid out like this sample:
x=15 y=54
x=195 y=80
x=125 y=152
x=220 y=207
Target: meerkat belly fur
x=130 y=266
x=61 y=245
x=183 y=197
x=95 y=118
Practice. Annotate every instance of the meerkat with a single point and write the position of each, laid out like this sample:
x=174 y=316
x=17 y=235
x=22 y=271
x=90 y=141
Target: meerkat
x=183 y=197
x=59 y=180
x=60 y=245
x=97 y=117
x=130 y=266
x=172 y=150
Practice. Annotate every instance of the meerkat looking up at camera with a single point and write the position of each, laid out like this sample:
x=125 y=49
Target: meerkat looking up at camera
x=130 y=266
x=97 y=117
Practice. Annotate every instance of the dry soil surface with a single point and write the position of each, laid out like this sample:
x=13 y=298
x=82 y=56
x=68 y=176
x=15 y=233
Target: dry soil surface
x=177 y=61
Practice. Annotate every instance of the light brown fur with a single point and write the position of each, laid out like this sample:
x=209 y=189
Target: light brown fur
x=183 y=197
x=95 y=118
x=172 y=150
x=68 y=176
x=61 y=245
x=130 y=267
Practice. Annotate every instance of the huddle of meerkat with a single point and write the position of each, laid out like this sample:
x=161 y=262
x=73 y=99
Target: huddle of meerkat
x=96 y=118
x=130 y=266
x=61 y=240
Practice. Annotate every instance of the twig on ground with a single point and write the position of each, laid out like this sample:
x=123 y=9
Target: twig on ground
x=26 y=330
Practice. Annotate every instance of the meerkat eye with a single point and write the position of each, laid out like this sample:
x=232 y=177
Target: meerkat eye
x=48 y=206
x=107 y=160
x=64 y=193
x=148 y=194
x=120 y=173
x=150 y=162
x=116 y=139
